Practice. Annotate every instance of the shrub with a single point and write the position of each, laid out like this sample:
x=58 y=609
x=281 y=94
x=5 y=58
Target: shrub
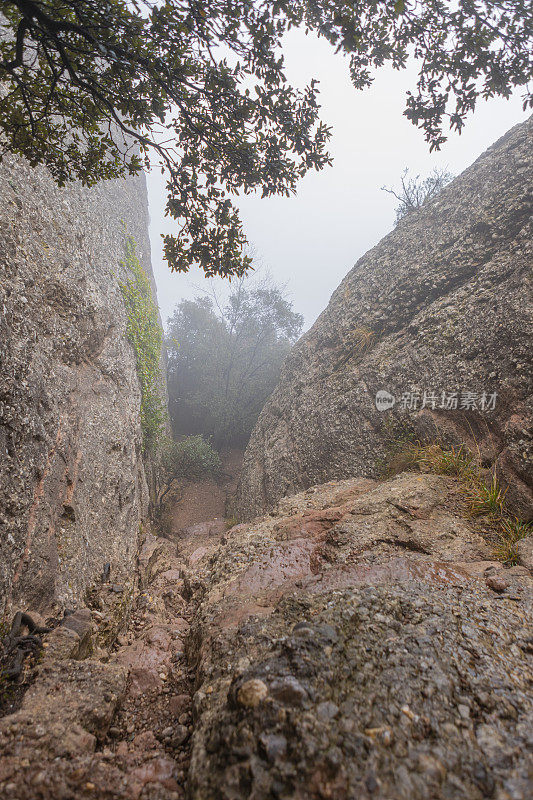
x=190 y=459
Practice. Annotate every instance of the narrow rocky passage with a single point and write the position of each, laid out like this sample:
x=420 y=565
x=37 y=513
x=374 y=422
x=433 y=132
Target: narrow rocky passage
x=359 y=641
x=149 y=739
x=107 y=715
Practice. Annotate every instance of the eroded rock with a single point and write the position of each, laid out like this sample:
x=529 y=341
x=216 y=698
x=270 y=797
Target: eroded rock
x=442 y=304
x=350 y=647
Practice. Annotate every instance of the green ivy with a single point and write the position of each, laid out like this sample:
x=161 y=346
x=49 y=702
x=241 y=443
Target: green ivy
x=146 y=336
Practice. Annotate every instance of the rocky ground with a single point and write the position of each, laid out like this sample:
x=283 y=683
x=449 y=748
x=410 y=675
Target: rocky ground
x=359 y=641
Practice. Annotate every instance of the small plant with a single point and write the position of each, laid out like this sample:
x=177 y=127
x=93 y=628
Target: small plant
x=510 y=532
x=358 y=342
x=361 y=338
x=146 y=336
x=482 y=498
x=486 y=499
x=446 y=461
x=400 y=446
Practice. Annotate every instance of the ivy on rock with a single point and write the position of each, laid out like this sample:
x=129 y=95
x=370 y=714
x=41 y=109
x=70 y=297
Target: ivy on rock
x=145 y=334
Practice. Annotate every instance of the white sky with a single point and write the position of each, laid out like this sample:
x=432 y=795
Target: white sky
x=311 y=240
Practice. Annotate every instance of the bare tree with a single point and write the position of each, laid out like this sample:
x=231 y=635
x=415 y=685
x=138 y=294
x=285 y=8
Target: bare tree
x=414 y=192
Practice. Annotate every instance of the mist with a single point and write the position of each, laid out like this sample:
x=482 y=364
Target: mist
x=312 y=239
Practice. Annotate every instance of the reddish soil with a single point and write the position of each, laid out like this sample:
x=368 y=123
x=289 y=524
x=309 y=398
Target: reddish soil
x=206 y=500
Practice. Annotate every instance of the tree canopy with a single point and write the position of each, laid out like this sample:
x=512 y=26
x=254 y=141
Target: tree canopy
x=224 y=360
x=97 y=89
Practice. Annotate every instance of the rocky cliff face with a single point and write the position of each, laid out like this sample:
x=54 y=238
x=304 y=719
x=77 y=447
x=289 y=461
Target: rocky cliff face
x=439 y=306
x=72 y=484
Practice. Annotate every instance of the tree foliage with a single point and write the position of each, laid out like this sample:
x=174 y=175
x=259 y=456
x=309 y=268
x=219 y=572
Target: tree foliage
x=96 y=88
x=414 y=192
x=189 y=459
x=224 y=361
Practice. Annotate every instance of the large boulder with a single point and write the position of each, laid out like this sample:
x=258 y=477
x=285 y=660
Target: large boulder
x=72 y=480
x=359 y=642
x=440 y=305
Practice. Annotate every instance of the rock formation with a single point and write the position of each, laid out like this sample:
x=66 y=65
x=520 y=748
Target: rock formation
x=357 y=642
x=72 y=484
x=349 y=645
x=441 y=305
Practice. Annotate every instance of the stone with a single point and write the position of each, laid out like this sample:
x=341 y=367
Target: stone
x=524 y=550
x=179 y=734
x=288 y=690
x=252 y=693
x=438 y=305
x=275 y=745
x=81 y=623
x=179 y=703
x=497 y=583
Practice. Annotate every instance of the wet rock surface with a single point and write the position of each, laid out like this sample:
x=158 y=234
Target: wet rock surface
x=349 y=645
x=441 y=304
x=359 y=641
x=390 y=692
x=72 y=481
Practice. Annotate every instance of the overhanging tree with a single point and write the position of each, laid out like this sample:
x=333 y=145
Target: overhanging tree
x=97 y=89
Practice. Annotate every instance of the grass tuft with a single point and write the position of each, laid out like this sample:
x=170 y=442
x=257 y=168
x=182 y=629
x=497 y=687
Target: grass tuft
x=486 y=499
x=482 y=498
x=510 y=532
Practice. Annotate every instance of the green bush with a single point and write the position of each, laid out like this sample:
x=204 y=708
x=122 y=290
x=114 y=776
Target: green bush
x=146 y=336
x=190 y=459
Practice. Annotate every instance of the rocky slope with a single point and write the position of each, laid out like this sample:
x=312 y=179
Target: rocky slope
x=442 y=304
x=357 y=642
x=72 y=483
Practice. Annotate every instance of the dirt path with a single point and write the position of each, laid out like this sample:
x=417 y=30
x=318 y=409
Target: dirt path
x=206 y=500
x=131 y=707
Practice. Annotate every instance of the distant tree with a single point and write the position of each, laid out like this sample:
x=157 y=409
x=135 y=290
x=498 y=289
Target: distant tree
x=224 y=360
x=414 y=192
x=96 y=89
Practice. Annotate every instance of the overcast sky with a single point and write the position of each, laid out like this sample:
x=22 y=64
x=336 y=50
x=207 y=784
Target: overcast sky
x=311 y=240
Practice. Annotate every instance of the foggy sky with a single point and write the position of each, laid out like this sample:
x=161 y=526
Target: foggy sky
x=311 y=240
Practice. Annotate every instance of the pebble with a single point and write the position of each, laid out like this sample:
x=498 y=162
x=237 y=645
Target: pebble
x=180 y=733
x=252 y=693
x=431 y=767
x=496 y=583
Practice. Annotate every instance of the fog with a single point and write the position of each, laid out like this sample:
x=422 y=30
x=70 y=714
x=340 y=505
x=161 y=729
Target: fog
x=311 y=240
